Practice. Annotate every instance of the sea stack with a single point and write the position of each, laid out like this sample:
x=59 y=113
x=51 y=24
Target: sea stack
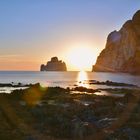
x=122 y=51
x=54 y=65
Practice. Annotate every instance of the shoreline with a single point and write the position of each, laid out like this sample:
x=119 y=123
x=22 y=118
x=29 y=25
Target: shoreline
x=82 y=87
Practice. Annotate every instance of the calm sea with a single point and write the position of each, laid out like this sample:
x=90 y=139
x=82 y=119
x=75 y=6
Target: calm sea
x=64 y=79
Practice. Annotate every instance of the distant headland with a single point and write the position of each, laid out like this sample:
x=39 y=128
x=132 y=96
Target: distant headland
x=122 y=51
x=54 y=65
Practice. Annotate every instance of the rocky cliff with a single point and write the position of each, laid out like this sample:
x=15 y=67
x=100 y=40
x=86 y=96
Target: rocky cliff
x=122 y=51
x=54 y=65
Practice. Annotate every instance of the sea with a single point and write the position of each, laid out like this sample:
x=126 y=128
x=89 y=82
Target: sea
x=65 y=79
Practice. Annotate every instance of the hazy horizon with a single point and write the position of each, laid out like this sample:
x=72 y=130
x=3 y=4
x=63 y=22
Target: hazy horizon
x=34 y=31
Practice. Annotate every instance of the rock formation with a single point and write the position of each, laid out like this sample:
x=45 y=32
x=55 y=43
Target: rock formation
x=122 y=51
x=54 y=65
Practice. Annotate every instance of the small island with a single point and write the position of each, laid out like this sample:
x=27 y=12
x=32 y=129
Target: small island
x=54 y=65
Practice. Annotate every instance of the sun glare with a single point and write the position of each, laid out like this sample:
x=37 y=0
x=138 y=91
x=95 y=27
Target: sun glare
x=81 y=58
x=82 y=76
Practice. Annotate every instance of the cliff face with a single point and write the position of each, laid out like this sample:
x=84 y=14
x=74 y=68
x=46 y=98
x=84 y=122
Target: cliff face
x=54 y=65
x=122 y=51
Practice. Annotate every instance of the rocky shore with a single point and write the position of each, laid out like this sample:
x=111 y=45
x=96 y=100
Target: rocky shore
x=109 y=83
x=54 y=113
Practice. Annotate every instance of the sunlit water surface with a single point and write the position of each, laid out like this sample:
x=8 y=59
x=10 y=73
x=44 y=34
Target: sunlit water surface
x=65 y=79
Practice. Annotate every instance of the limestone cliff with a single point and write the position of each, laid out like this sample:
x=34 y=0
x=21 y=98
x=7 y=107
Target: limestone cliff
x=54 y=65
x=122 y=51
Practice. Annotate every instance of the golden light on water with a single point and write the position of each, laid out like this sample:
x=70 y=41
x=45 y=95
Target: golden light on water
x=82 y=76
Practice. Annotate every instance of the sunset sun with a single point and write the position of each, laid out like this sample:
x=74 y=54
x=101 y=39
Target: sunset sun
x=81 y=57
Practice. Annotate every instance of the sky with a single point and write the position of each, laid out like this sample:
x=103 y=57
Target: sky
x=33 y=31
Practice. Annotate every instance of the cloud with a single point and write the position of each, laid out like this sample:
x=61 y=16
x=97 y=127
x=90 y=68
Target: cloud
x=9 y=56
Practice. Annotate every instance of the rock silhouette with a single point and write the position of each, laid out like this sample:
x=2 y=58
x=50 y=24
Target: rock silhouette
x=54 y=65
x=122 y=51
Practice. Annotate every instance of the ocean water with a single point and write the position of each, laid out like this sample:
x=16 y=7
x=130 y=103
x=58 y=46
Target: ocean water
x=65 y=79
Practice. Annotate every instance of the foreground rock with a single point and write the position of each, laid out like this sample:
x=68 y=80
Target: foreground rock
x=54 y=65
x=122 y=51
x=109 y=83
x=14 y=85
x=53 y=113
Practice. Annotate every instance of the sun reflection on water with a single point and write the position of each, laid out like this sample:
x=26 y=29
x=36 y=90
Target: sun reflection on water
x=82 y=77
